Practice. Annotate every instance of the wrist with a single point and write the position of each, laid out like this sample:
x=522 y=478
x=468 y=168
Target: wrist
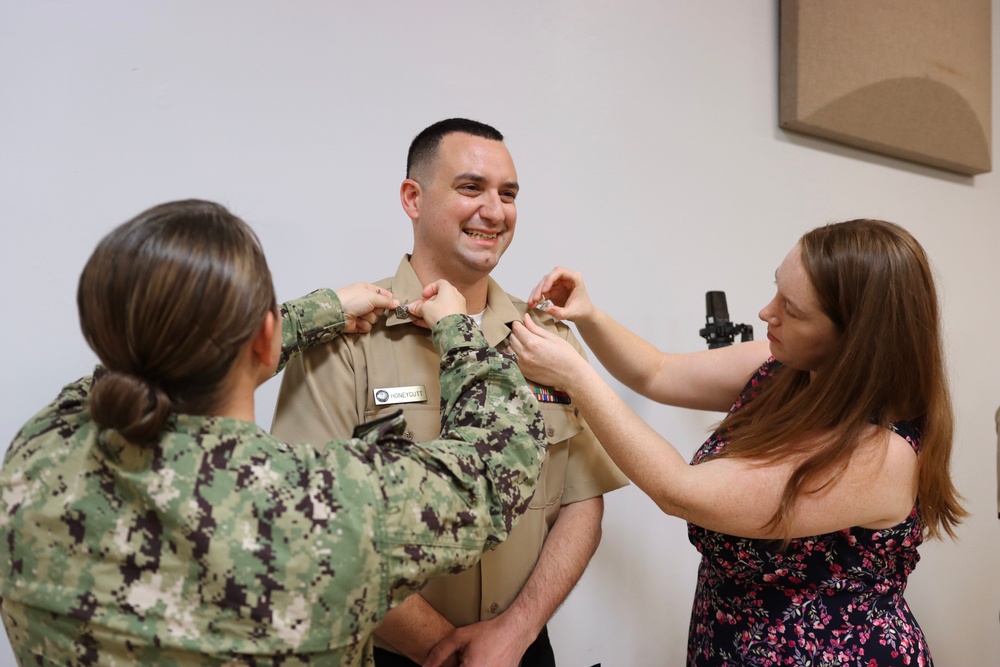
x=520 y=626
x=579 y=375
x=456 y=331
x=589 y=320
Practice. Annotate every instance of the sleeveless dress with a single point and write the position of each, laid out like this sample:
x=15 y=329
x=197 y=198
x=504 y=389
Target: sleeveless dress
x=833 y=599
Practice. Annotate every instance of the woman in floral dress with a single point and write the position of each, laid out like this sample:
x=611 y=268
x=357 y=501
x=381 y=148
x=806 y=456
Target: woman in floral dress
x=810 y=499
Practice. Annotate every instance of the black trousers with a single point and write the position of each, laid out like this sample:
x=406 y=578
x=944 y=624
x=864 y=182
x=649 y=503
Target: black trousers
x=539 y=654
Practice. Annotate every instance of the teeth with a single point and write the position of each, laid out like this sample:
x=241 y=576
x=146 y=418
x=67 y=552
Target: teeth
x=480 y=235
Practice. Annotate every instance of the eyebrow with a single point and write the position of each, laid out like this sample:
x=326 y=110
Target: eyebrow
x=788 y=301
x=479 y=178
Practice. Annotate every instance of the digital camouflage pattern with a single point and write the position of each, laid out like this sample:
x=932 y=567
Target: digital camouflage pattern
x=221 y=545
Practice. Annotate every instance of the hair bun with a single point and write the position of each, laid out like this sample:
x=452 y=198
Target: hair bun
x=129 y=404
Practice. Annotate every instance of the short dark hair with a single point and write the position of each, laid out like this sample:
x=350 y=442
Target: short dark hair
x=424 y=146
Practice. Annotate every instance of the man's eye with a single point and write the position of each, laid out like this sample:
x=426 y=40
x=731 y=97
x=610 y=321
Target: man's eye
x=508 y=196
x=469 y=187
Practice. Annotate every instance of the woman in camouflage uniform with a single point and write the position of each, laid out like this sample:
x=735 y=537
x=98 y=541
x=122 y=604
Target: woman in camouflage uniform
x=146 y=519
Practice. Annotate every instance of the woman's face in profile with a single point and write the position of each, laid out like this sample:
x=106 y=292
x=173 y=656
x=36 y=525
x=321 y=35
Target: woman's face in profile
x=802 y=336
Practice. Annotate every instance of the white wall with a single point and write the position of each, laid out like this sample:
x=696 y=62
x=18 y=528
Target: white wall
x=645 y=135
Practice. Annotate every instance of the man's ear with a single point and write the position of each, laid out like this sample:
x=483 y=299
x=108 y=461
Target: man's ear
x=409 y=196
x=262 y=345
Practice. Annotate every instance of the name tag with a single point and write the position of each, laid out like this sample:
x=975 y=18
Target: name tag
x=392 y=395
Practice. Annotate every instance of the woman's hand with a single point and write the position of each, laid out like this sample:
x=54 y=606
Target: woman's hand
x=567 y=296
x=440 y=299
x=544 y=357
x=363 y=304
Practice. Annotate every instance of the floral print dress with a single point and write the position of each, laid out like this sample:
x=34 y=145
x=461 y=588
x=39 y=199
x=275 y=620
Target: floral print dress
x=834 y=599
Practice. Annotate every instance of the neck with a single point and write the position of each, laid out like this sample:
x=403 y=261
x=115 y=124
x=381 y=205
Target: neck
x=238 y=407
x=238 y=390
x=475 y=296
x=473 y=288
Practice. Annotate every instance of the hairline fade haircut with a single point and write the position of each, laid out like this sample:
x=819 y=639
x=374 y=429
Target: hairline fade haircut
x=424 y=147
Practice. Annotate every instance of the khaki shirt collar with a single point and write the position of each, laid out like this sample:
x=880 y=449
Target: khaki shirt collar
x=500 y=310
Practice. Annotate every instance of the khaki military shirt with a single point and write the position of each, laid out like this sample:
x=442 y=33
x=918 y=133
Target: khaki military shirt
x=222 y=545
x=333 y=387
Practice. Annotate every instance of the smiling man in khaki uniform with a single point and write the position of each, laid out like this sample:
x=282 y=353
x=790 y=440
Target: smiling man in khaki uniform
x=459 y=193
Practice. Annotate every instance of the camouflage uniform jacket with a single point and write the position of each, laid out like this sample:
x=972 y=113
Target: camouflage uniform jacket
x=221 y=545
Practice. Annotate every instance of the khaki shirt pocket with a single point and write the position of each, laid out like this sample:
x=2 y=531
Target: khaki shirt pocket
x=423 y=422
x=561 y=425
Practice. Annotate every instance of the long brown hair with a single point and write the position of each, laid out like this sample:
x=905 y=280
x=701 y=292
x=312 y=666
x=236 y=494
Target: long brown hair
x=166 y=301
x=874 y=282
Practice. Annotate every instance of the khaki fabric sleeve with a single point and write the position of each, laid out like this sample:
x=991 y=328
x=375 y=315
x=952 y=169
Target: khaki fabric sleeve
x=590 y=472
x=998 y=462
x=317 y=400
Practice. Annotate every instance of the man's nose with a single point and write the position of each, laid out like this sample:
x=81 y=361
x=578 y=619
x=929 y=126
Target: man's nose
x=492 y=208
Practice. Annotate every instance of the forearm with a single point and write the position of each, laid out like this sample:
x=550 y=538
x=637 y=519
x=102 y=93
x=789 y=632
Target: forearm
x=503 y=640
x=314 y=318
x=702 y=380
x=486 y=402
x=646 y=458
x=414 y=628
x=567 y=550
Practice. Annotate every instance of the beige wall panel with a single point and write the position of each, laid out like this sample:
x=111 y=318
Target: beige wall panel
x=907 y=78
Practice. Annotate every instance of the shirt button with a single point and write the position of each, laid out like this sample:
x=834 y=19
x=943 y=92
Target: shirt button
x=408 y=435
x=494 y=607
x=549 y=431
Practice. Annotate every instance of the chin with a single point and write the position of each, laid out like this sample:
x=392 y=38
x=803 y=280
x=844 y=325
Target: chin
x=483 y=264
x=783 y=360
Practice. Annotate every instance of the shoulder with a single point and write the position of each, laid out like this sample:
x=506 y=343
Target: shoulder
x=757 y=382
x=65 y=414
x=769 y=368
x=908 y=431
x=887 y=455
x=543 y=319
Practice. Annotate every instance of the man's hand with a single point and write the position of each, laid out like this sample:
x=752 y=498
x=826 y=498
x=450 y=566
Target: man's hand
x=363 y=304
x=493 y=643
x=502 y=641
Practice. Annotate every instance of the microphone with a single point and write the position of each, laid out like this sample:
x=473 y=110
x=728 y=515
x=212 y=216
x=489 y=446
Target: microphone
x=719 y=331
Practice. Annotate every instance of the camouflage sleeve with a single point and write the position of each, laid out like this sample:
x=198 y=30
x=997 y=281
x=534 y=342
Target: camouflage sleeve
x=448 y=499
x=60 y=414
x=486 y=401
x=315 y=318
